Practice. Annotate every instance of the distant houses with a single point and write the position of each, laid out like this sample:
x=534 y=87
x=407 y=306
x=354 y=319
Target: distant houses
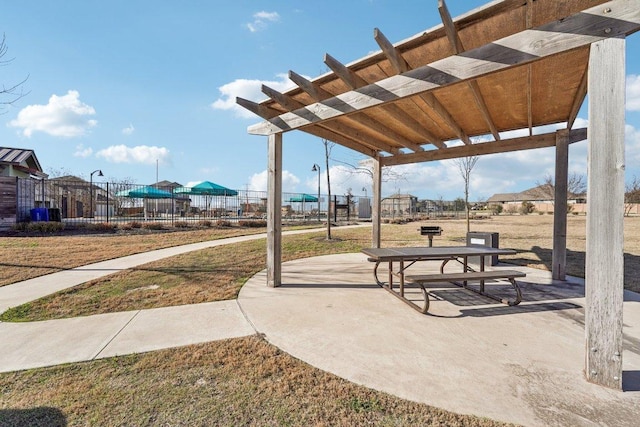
x=541 y=196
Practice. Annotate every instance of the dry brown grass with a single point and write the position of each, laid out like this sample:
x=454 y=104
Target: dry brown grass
x=235 y=382
x=23 y=258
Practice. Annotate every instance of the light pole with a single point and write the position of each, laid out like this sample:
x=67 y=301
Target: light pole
x=365 y=191
x=316 y=168
x=91 y=189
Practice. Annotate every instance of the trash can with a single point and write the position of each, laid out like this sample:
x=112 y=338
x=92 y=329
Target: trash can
x=476 y=238
x=54 y=214
x=39 y=214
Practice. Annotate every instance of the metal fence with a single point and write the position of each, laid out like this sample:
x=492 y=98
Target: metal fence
x=78 y=201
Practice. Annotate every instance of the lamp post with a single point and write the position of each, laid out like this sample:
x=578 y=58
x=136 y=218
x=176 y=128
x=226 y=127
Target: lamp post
x=365 y=191
x=316 y=168
x=91 y=189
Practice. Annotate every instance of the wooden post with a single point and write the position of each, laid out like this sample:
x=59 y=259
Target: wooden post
x=377 y=202
x=604 y=270
x=274 y=212
x=559 y=263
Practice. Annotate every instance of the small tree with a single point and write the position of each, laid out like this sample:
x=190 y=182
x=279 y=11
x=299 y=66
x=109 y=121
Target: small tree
x=465 y=166
x=328 y=146
x=631 y=195
x=547 y=190
x=496 y=208
x=527 y=207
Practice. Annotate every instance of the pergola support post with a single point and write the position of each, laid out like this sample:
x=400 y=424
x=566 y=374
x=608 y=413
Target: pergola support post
x=604 y=269
x=559 y=263
x=274 y=211
x=377 y=203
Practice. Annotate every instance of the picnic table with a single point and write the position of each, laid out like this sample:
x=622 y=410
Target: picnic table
x=405 y=257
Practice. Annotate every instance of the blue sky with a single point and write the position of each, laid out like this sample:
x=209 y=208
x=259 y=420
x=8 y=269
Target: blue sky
x=123 y=86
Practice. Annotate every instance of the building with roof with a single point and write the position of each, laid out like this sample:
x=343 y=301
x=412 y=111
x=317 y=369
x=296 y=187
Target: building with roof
x=19 y=162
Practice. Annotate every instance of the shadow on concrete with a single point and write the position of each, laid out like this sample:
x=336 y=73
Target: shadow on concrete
x=33 y=417
x=577 y=259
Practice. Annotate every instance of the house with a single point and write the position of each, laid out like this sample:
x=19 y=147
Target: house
x=78 y=198
x=399 y=205
x=541 y=196
x=21 y=163
x=21 y=176
x=179 y=204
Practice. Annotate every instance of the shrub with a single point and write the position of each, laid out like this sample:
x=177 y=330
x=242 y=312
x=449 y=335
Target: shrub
x=153 y=226
x=135 y=224
x=205 y=223
x=496 y=208
x=181 y=224
x=103 y=226
x=526 y=208
x=45 y=226
x=223 y=223
x=252 y=223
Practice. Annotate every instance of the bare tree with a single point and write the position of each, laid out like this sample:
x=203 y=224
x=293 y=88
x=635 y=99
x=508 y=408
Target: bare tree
x=465 y=166
x=365 y=167
x=328 y=146
x=631 y=195
x=12 y=93
x=546 y=190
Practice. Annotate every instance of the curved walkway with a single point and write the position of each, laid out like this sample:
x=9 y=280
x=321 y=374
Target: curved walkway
x=52 y=342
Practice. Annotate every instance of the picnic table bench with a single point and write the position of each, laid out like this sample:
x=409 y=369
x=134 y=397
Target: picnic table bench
x=408 y=256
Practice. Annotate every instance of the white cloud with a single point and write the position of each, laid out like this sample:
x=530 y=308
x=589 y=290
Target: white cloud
x=82 y=152
x=261 y=20
x=128 y=130
x=64 y=116
x=633 y=92
x=632 y=147
x=247 y=89
x=258 y=181
x=139 y=154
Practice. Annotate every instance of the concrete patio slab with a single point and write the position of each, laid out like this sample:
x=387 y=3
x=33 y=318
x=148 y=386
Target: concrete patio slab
x=520 y=364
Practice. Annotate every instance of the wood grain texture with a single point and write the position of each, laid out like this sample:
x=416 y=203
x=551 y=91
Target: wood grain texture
x=559 y=255
x=604 y=265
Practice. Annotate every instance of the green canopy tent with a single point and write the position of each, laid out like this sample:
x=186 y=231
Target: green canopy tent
x=302 y=198
x=209 y=190
x=146 y=192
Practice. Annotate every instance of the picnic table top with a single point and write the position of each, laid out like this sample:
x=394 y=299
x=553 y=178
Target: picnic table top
x=435 y=252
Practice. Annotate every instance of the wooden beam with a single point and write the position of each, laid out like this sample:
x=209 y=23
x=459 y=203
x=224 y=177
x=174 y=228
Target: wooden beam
x=257 y=109
x=431 y=100
x=354 y=144
x=312 y=89
x=581 y=93
x=502 y=146
x=528 y=24
x=349 y=77
x=612 y=19
x=458 y=48
x=559 y=254
x=604 y=263
x=342 y=129
x=287 y=102
x=393 y=55
x=376 y=214
x=450 y=27
x=274 y=211
x=401 y=66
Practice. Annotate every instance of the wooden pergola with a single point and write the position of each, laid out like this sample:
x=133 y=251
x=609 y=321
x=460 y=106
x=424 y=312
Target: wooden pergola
x=511 y=64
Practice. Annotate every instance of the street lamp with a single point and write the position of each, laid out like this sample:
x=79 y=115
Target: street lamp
x=91 y=189
x=316 y=168
x=365 y=191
